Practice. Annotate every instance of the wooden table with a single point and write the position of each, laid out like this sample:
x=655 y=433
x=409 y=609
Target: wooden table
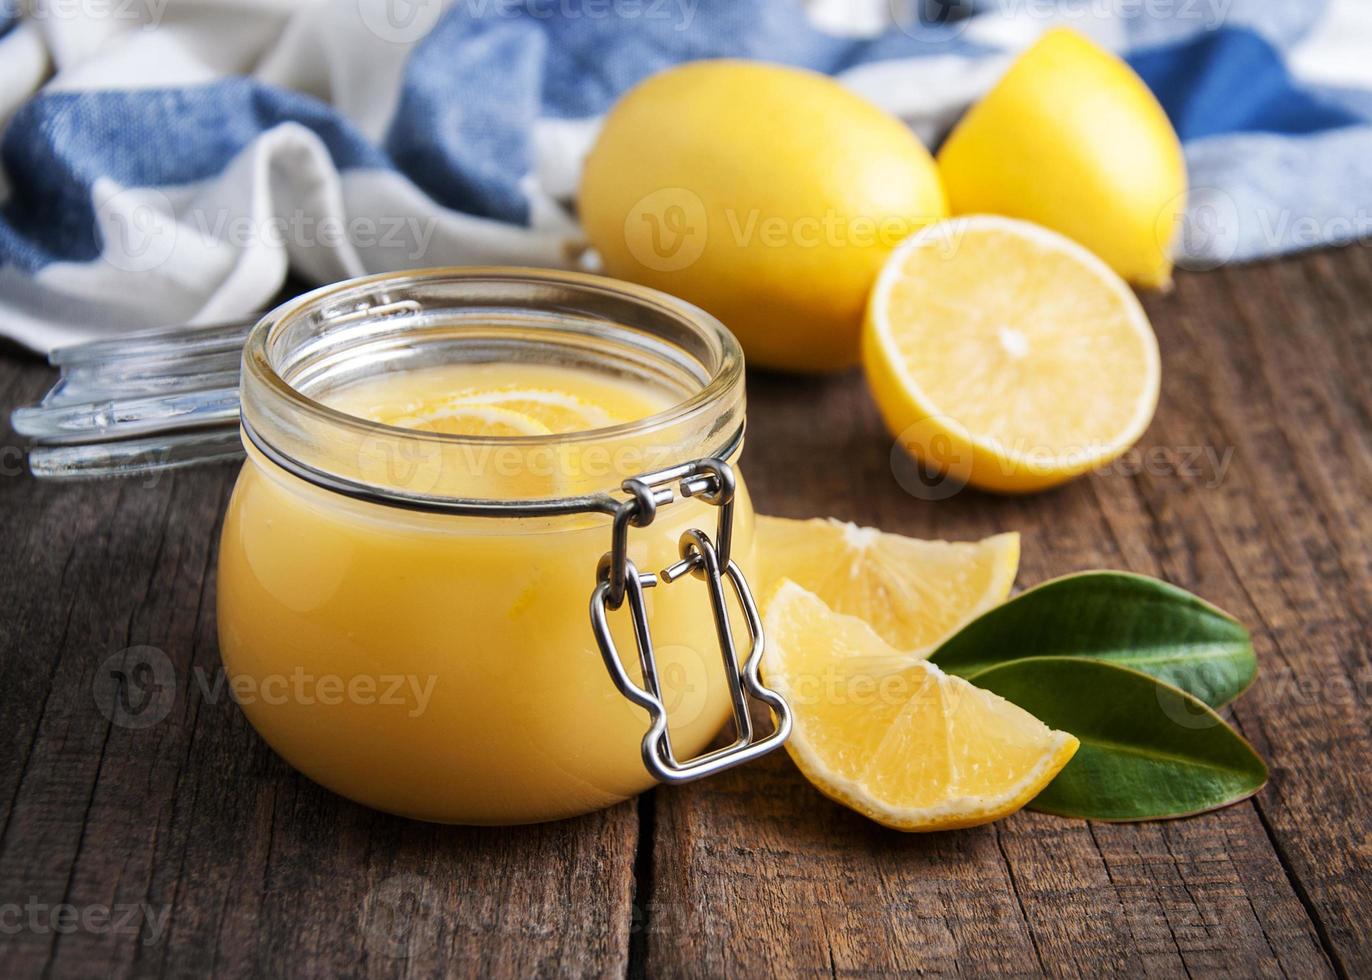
x=212 y=856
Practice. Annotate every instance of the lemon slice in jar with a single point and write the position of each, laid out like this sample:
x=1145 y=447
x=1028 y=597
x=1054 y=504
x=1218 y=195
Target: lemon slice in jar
x=560 y=411
x=473 y=420
x=530 y=405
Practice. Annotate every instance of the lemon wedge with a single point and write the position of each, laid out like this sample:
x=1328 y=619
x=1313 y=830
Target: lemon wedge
x=890 y=734
x=1072 y=139
x=913 y=593
x=1007 y=355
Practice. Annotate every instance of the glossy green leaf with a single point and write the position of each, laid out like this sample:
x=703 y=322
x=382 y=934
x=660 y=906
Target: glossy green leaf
x=1126 y=619
x=1148 y=750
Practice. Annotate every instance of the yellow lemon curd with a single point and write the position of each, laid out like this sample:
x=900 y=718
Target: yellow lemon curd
x=443 y=667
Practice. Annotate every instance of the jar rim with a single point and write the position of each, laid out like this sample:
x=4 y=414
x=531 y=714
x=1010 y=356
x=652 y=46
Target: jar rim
x=270 y=397
x=727 y=372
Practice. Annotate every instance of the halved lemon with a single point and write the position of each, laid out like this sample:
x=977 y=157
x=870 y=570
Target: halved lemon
x=1007 y=355
x=891 y=735
x=913 y=593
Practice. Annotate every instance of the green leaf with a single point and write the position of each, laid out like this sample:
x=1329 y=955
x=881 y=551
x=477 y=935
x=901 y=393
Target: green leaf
x=1148 y=750
x=1126 y=619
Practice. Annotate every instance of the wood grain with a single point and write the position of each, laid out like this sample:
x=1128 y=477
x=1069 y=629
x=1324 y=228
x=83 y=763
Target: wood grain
x=1250 y=489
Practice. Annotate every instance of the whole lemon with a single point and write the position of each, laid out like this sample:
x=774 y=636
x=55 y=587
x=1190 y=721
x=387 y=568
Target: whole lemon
x=1072 y=139
x=769 y=196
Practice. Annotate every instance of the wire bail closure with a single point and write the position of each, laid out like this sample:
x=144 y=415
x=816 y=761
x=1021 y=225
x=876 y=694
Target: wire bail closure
x=618 y=579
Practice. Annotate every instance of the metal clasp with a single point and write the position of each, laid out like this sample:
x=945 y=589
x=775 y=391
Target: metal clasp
x=618 y=579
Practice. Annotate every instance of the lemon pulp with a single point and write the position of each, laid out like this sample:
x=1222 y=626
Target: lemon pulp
x=1011 y=348
x=913 y=593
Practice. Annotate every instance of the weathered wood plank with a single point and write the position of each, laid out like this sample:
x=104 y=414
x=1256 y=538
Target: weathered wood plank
x=1292 y=528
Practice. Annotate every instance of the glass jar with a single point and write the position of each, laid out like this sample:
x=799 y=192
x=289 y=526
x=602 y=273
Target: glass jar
x=403 y=615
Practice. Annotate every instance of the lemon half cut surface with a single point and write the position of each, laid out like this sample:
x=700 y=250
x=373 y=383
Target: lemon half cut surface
x=892 y=736
x=1007 y=354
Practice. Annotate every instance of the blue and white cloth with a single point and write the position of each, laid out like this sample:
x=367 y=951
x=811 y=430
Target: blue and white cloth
x=169 y=160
